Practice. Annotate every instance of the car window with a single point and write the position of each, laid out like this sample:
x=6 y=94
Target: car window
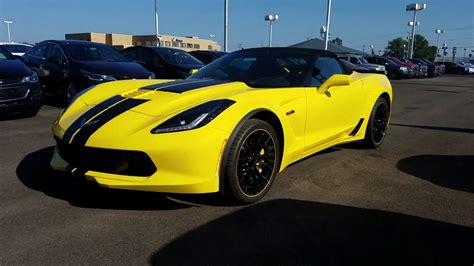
x=324 y=68
x=177 y=57
x=147 y=56
x=204 y=57
x=354 y=60
x=259 y=69
x=39 y=50
x=55 y=51
x=131 y=53
x=16 y=48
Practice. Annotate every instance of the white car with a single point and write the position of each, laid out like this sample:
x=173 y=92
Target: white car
x=17 y=49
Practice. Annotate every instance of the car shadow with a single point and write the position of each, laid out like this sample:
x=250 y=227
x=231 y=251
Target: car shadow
x=35 y=173
x=449 y=129
x=451 y=171
x=294 y=232
x=16 y=116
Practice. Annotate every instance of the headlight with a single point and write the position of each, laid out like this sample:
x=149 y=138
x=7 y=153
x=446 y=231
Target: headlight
x=32 y=79
x=97 y=77
x=404 y=69
x=193 y=118
x=151 y=76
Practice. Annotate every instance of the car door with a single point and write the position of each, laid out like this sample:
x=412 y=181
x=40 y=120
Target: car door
x=35 y=58
x=334 y=114
x=55 y=67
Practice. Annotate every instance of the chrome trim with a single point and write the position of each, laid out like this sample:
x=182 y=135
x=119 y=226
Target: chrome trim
x=16 y=99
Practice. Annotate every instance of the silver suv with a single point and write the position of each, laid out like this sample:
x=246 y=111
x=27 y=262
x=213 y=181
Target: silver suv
x=360 y=60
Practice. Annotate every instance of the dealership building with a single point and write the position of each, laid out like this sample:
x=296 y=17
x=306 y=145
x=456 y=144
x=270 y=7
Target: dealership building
x=121 y=41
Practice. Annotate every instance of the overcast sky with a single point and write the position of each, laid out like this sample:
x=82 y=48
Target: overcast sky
x=355 y=22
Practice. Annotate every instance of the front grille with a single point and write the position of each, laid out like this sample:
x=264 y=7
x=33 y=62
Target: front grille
x=6 y=82
x=16 y=93
x=121 y=162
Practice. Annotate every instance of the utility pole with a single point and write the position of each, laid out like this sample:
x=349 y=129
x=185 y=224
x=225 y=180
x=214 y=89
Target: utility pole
x=156 y=26
x=328 y=19
x=8 y=22
x=226 y=25
x=363 y=48
x=445 y=47
x=454 y=54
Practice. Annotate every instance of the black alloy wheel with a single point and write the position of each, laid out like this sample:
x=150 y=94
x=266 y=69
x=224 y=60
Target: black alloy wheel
x=70 y=92
x=378 y=123
x=252 y=162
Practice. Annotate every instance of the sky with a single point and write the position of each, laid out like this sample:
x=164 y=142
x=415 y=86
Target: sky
x=356 y=22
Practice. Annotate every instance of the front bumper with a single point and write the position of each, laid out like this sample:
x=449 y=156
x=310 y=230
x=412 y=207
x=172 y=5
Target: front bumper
x=31 y=102
x=186 y=162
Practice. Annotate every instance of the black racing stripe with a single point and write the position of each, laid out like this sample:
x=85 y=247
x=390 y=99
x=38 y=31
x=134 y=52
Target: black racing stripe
x=88 y=115
x=166 y=84
x=192 y=86
x=86 y=131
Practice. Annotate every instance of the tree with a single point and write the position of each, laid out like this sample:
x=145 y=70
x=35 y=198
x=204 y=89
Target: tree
x=396 y=48
x=423 y=48
x=337 y=41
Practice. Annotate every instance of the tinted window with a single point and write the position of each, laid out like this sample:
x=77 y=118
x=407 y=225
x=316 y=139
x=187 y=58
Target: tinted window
x=177 y=57
x=259 y=69
x=55 y=52
x=131 y=53
x=354 y=60
x=93 y=52
x=324 y=68
x=4 y=55
x=39 y=50
x=206 y=58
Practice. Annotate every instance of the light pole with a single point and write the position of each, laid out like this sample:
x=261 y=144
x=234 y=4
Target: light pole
x=464 y=56
x=438 y=32
x=157 y=36
x=226 y=25
x=413 y=7
x=211 y=36
x=445 y=47
x=271 y=19
x=8 y=22
x=404 y=51
x=328 y=19
x=372 y=49
x=363 y=48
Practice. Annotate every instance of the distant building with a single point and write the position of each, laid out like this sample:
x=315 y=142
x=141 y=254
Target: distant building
x=121 y=41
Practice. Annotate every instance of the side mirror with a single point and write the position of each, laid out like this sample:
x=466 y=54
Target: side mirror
x=193 y=71
x=334 y=80
x=54 y=60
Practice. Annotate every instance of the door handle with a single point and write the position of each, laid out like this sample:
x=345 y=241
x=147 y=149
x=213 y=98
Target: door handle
x=290 y=112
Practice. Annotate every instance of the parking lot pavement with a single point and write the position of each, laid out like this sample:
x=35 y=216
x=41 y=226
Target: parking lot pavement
x=409 y=201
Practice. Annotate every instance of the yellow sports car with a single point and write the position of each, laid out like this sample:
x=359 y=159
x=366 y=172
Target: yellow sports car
x=230 y=127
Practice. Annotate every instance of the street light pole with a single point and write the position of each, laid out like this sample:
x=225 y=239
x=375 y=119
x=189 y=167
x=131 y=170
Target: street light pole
x=413 y=7
x=271 y=19
x=157 y=36
x=328 y=19
x=438 y=32
x=226 y=25
x=8 y=22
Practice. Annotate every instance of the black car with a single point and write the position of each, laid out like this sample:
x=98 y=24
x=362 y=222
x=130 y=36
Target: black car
x=455 y=68
x=20 y=90
x=67 y=67
x=165 y=63
x=207 y=56
x=394 y=70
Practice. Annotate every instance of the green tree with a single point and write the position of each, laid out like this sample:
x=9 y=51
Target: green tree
x=337 y=41
x=423 y=48
x=396 y=48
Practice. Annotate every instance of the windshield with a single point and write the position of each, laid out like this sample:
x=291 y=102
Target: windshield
x=177 y=57
x=4 y=54
x=362 y=60
x=270 y=69
x=348 y=64
x=16 y=48
x=93 y=52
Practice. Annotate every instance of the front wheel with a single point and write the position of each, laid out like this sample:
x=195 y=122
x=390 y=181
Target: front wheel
x=252 y=162
x=378 y=122
x=70 y=93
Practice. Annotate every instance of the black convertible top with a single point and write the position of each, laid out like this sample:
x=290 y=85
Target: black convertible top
x=289 y=49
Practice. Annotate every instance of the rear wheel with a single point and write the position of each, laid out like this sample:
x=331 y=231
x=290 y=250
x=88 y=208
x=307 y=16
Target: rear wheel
x=252 y=162
x=378 y=122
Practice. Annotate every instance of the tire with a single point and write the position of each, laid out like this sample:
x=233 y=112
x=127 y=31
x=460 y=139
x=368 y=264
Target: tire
x=377 y=125
x=252 y=162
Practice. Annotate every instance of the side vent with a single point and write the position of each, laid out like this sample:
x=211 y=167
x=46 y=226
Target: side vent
x=357 y=127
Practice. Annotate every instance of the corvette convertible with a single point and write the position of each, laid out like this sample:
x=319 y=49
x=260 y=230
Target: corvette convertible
x=230 y=127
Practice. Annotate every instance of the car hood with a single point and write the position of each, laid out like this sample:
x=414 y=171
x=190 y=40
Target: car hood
x=119 y=70
x=13 y=69
x=371 y=66
x=165 y=97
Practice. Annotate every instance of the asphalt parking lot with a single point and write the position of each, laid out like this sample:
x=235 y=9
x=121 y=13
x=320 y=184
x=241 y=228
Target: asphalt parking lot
x=411 y=201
